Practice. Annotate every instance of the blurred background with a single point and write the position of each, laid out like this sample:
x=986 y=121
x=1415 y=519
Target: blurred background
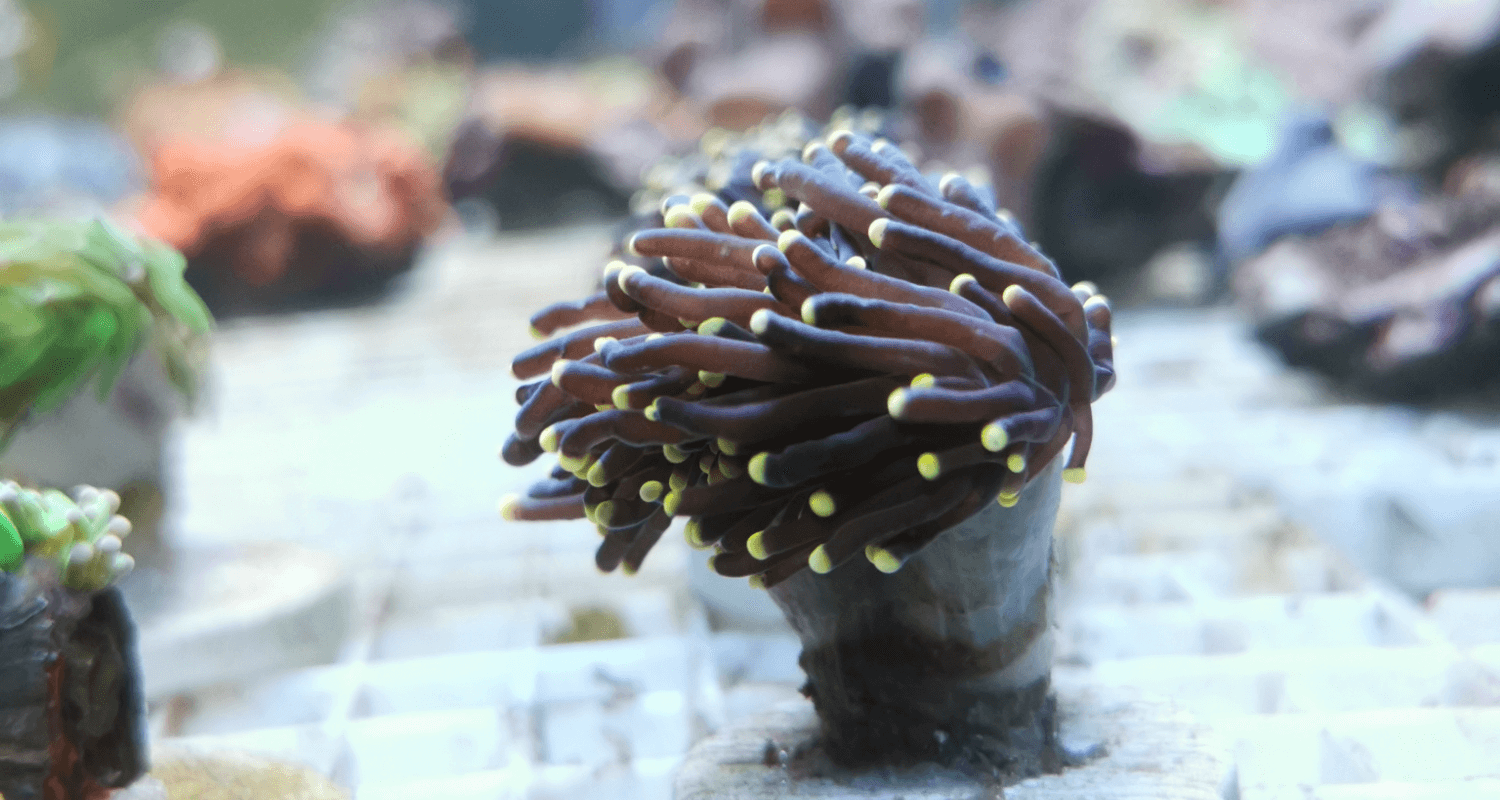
x=1292 y=523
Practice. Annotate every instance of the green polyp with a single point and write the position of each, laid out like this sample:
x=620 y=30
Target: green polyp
x=11 y=547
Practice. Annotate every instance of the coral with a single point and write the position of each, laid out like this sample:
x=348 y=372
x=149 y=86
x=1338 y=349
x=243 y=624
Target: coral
x=820 y=359
x=80 y=536
x=77 y=300
x=263 y=188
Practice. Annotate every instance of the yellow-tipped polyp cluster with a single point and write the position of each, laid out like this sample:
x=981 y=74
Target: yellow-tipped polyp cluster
x=814 y=353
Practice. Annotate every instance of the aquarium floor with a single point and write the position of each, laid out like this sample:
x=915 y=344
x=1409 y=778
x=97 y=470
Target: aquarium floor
x=1224 y=554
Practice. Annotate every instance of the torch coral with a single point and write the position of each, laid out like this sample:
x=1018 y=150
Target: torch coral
x=822 y=359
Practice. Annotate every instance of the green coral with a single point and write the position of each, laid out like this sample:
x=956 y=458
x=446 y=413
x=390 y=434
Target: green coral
x=78 y=536
x=77 y=301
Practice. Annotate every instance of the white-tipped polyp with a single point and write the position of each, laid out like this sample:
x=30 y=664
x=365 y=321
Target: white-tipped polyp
x=624 y=275
x=760 y=321
x=740 y=210
x=80 y=553
x=896 y=403
x=960 y=281
x=810 y=311
x=877 y=230
x=786 y=239
x=119 y=526
x=758 y=172
x=948 y=181
x=883 y=197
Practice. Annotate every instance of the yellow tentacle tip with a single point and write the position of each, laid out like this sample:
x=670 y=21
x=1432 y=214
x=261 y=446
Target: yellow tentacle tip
x=758 y=171
x=1007 y=500
x=536 y=333
x=757 y=582
x=604 y=513
x=597 y=475
x=712 y=326
x=700 y=202
x=1011 y=295
x=857 y=262
x=680 y=216
x=819 y=561
x=671 y=503
x=711 y=379
x=757 y=467
x=573 y=464
x=558 y=368
x=810 y=311
x=693 y=532
x=1075 y=475
x=760 y=321
x=877 y=230
x=822 y=503
x=1015 y=462
x=673 y=453
x=896 y=403
x=929 y=465
x=925 y=380
x=787 y=237
x=883 y=197
x=994 y=438
x=739 y=211
x=677 y=481
x=652 y=412
x=624 y=276
x=756 y=546
x=651 y=491
x=627 y=569
x=548 y=439
x=958 y=283
x=727 y=447
x=604 y=341
x=621 y=396
x=629 y=248
x=509 y=507
x=883 y=559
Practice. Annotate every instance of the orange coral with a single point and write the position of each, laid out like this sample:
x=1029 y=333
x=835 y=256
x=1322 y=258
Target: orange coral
x=254 y=176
